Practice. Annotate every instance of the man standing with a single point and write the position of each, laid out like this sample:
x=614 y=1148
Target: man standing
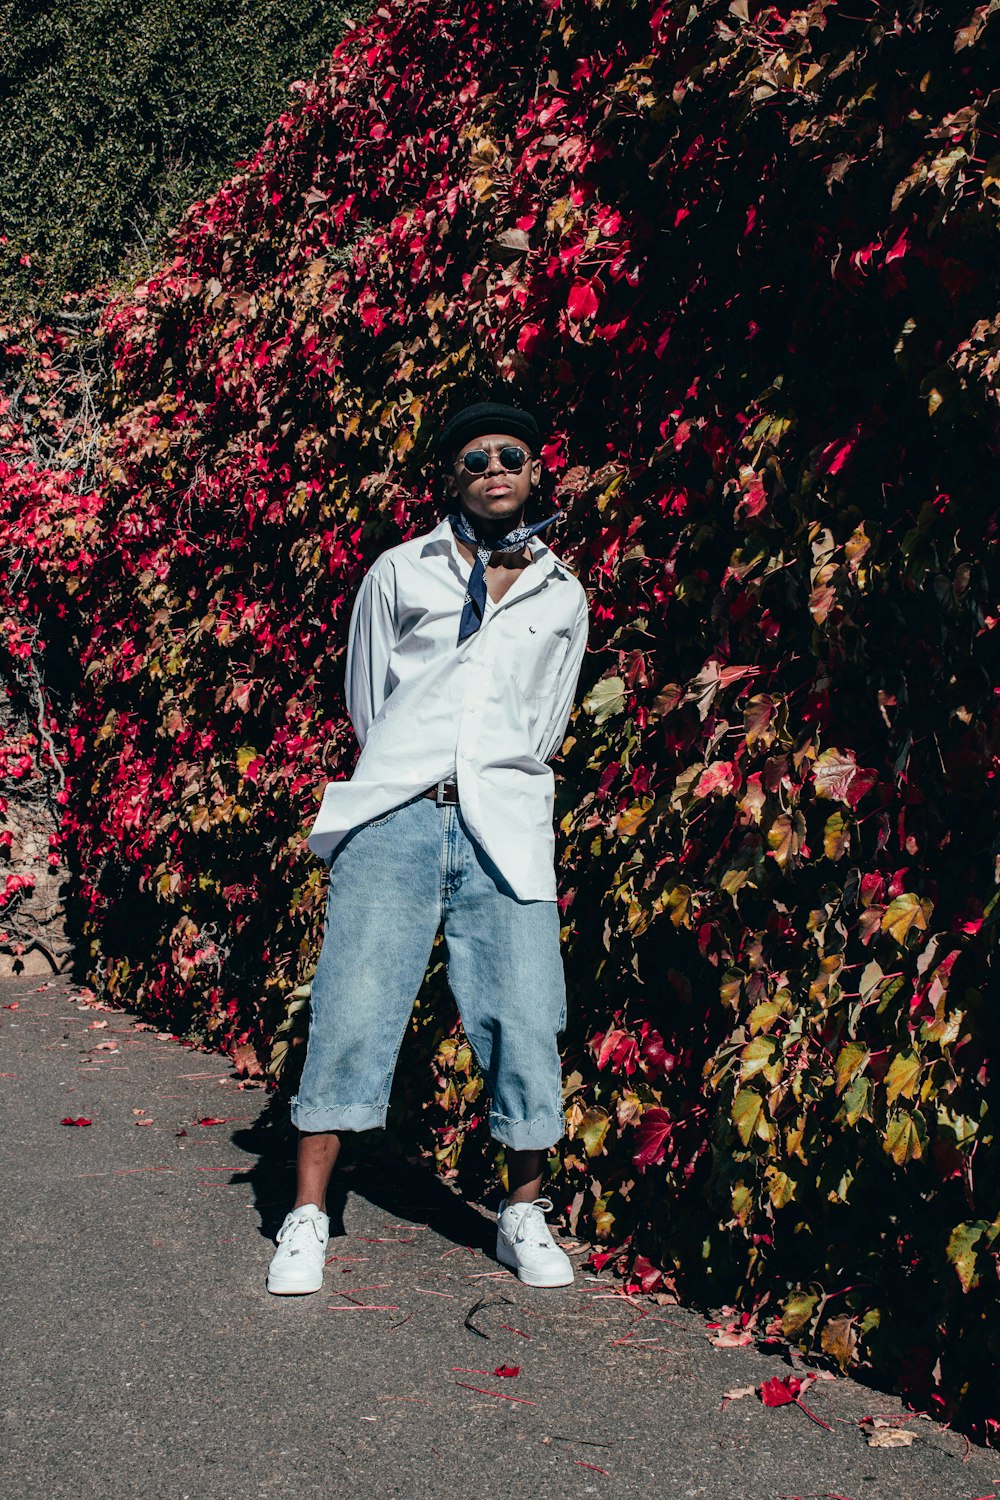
x=463 y=658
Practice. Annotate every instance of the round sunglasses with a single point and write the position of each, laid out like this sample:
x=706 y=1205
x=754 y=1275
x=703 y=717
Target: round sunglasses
x=477 y=460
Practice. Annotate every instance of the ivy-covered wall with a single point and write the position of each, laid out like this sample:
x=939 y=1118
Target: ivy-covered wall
x=743 y=256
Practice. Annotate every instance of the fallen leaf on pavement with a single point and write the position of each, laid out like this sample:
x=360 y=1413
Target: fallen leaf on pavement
x=507 y=1371
x=80 y=1121
x=883 y=1434
x=730 y=1338
x=778 y=1392
x=212 y=1120
x=890 y=1437
x=738 y=1392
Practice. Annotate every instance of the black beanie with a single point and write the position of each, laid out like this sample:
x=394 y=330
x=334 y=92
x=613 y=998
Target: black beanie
x=488 y=416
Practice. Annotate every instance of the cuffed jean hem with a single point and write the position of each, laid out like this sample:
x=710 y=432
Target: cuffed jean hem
x=528 y=1135
x=347 y=1117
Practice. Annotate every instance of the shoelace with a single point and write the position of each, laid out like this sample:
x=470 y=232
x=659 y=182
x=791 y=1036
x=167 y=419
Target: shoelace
x=534 y=1215
x=291 y=1224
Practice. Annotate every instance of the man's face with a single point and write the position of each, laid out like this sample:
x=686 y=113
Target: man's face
x=499 y=494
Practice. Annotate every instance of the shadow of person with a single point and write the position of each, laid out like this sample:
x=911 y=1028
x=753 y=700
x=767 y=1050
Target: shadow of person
x=370 y=1168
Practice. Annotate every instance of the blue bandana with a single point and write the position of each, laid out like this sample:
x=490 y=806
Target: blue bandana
x=475 y=595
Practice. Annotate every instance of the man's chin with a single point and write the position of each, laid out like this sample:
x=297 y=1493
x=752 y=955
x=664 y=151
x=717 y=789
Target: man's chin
x=502 y=510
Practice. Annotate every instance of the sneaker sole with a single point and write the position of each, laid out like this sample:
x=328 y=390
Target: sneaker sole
x=532 y=1278
x=289 y=1290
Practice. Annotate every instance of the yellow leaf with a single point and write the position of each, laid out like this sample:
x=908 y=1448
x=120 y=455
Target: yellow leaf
x=592 y=1128
x=836 y=837
x=632 y=819
x=742 y=1199
x=780 y=1187
x=906 y=912
x=731 y=988
x=758 y=720
x=850 y=1061
x=244 y=755
x=678 y=905
x=903 y=1076
x=734 y=880
x=783 y=838
x=962 y=1250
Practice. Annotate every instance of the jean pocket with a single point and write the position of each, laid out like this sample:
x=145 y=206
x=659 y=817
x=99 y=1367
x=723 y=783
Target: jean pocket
x=384 y=818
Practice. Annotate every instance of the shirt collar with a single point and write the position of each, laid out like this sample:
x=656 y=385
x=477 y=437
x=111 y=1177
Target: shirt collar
x=542 y=556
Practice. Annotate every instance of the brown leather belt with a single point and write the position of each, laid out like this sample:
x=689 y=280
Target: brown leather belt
x=445 y=793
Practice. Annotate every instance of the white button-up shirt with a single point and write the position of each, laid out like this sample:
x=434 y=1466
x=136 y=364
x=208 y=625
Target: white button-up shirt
x=487 y=713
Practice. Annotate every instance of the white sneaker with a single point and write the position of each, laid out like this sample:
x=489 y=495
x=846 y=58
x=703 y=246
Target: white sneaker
x=525 y=1244
x=297 y=1264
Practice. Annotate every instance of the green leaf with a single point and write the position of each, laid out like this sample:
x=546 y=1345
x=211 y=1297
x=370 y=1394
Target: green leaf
x=757 y=1057
x=592 y=1128
x=749 y=1116
x=605 y=698
x=905 y=1137
x=871 y=977
x=961 y=1251
x=797 y=1312
x=780 y=1187
x=762 y=1015
x=857 y=1100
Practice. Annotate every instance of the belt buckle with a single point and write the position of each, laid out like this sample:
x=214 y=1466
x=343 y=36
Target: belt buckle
x=441 y=799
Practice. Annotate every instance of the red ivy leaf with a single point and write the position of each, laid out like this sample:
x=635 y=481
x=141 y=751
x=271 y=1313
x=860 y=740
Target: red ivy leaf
x=507 y=1371
x=79 y=1121
x=582 y=301
x=777 y=1392
x=653 y=1138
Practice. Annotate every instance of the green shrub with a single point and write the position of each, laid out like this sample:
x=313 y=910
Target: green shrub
x=118 y=115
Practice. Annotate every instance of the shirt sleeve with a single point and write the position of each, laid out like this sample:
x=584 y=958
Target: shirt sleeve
x=370 y=639
x=569 y=677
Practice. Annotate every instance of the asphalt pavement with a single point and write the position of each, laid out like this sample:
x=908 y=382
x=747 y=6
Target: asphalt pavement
x=141 y=1354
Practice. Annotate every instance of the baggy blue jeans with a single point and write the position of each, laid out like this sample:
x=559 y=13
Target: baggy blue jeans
x=393 y=882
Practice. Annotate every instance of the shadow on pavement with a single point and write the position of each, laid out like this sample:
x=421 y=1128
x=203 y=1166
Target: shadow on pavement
x=369 y=1168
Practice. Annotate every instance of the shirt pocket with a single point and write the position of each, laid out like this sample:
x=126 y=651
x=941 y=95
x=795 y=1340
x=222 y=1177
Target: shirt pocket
x=537 y=660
